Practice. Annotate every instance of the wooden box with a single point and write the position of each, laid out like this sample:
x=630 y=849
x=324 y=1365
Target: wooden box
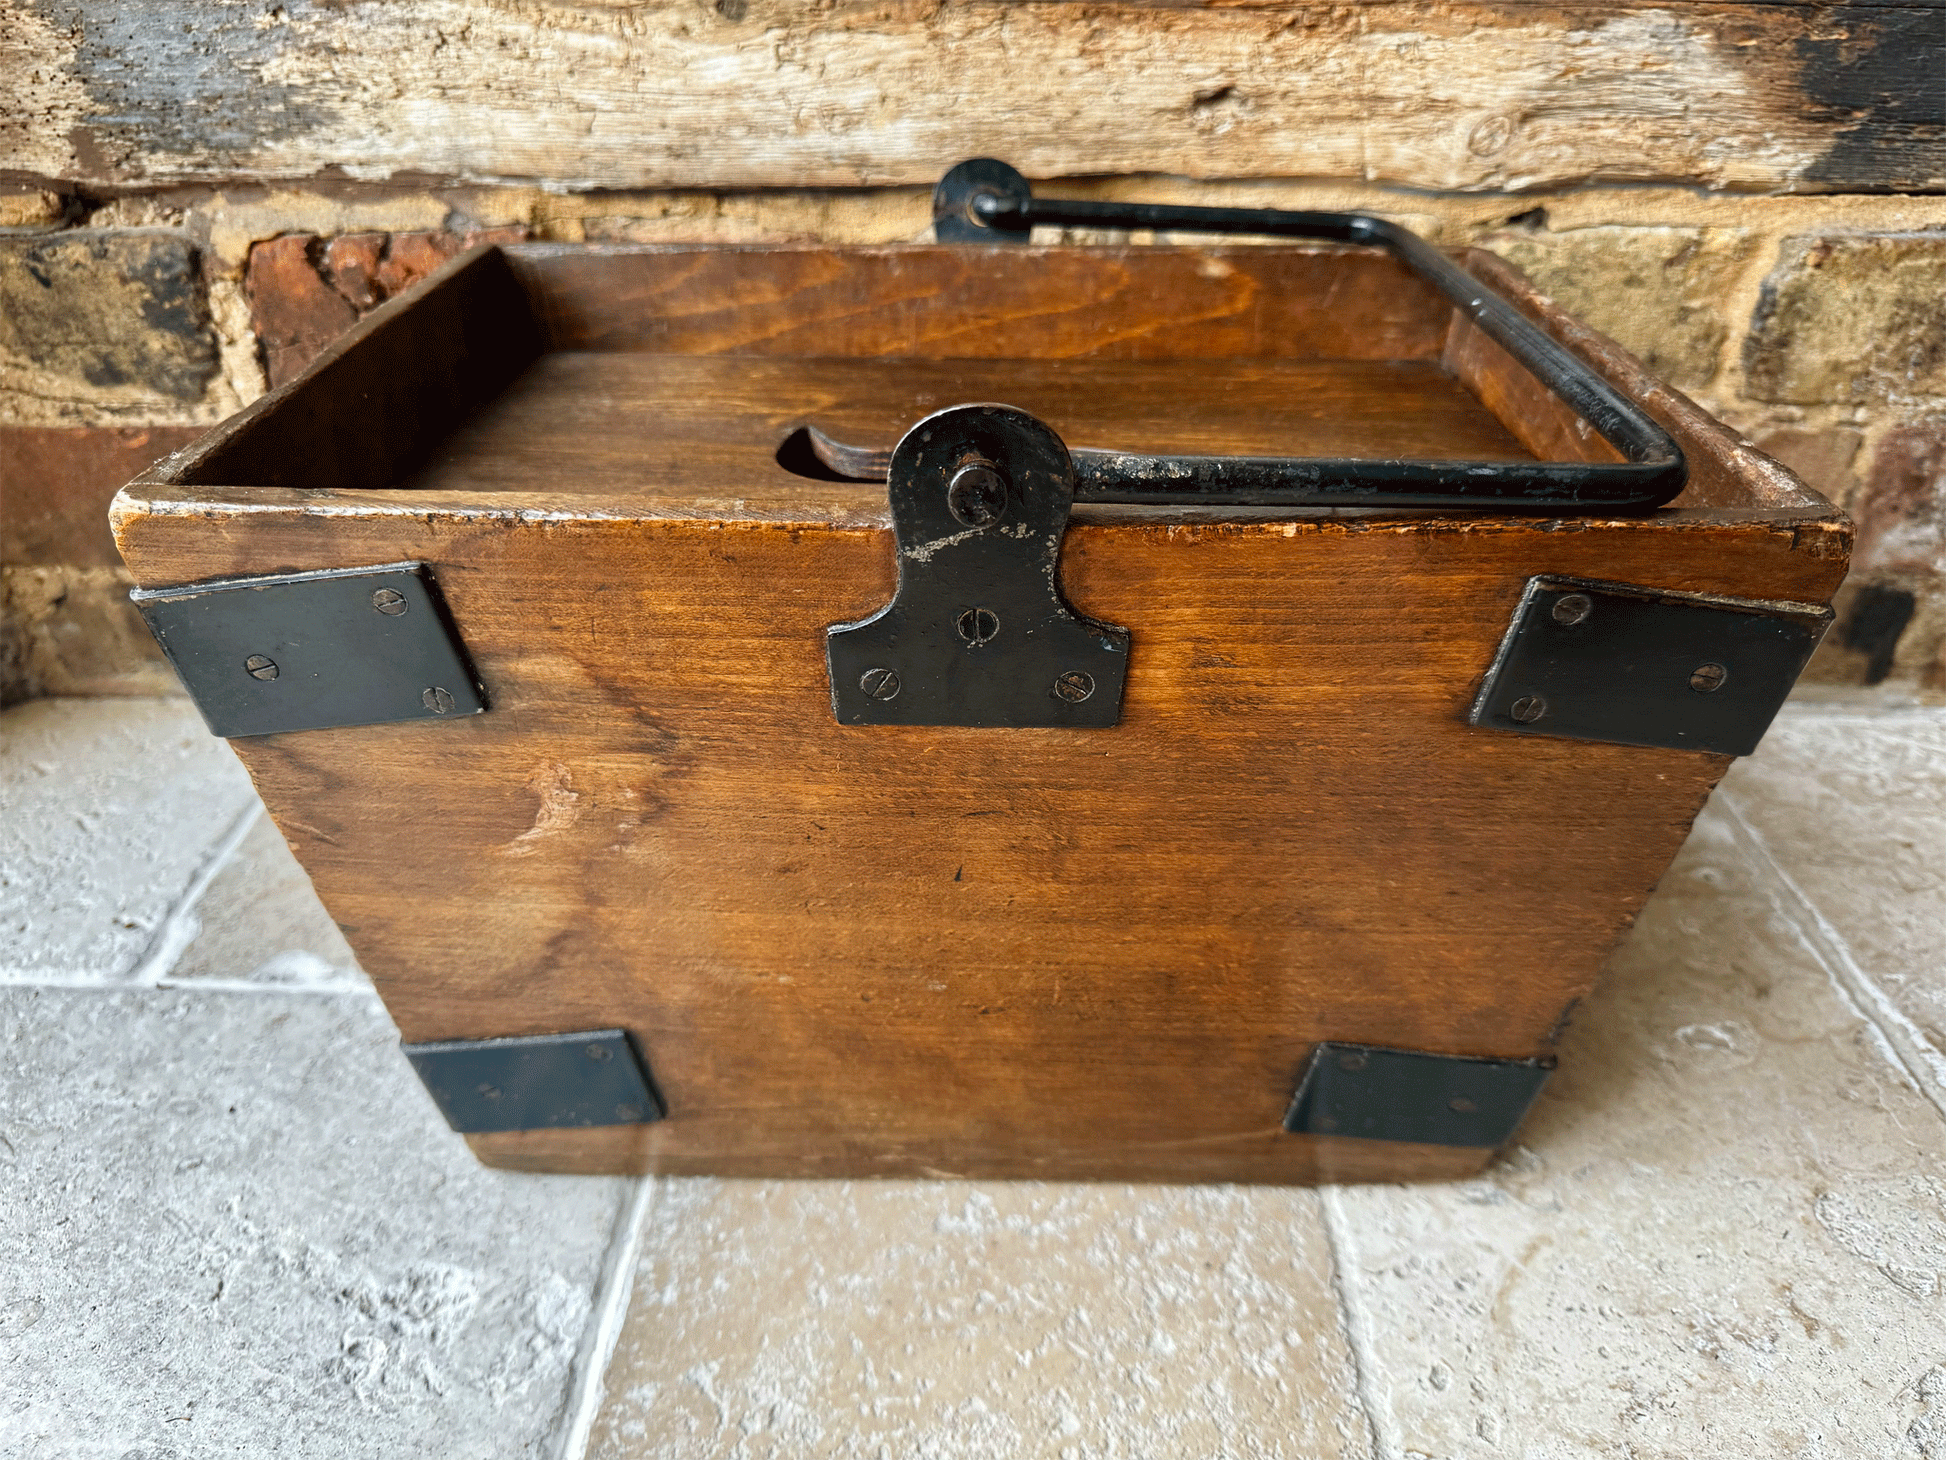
x=903 y=950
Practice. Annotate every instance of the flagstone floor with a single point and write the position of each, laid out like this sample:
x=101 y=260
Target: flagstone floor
x=232 y=1224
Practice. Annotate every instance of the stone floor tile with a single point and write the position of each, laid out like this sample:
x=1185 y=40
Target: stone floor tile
x=113 y=808
x=232 y=1224
x=1852 y=807
x=1721 y=1233
x=260 y=921
x=941 y=1320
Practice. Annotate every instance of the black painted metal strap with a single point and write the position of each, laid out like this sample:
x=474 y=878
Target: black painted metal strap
x=989 y=202
x=538 y=1081
x=1380 y=1094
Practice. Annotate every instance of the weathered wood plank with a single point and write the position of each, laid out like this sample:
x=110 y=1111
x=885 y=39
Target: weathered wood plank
x=1429 y=93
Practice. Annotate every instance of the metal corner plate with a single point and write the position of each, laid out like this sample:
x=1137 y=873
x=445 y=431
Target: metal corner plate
x=314 y=651
x=1380 y=1094
x=1585 y=660
x=537 y=1081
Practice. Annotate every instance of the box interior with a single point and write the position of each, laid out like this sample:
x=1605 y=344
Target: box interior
x=692 y=371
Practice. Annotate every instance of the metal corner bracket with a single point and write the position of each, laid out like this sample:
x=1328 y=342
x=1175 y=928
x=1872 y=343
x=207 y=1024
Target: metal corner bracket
x=1587 y=660
x=315 y=651
x=538 y=1081
x=1381 y=1094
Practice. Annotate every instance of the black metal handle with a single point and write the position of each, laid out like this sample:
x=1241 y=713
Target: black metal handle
x=984 y=201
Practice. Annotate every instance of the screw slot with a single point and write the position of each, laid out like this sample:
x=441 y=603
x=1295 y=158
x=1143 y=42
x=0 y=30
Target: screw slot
x=880 y=684
x=389 y=601
x=1528 y=708
x=1573 y=608
x=1074 y=686
x=260 y=668
x=438 y=700
x=1708 y=678
x=978 y=626
x=977 y=494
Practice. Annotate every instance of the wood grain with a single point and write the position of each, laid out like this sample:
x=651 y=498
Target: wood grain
x=712 y=425
x=1077 y=946
x=1426 y=93
x=956 y=303
x=1092 y=954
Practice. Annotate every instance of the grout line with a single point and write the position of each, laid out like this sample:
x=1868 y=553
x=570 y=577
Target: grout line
x=1384 y=1445
x=346 y=989
x=1904 y=1042
x=1889 y=715
x=613 y=1290
x=178 y=928
x=336 y=990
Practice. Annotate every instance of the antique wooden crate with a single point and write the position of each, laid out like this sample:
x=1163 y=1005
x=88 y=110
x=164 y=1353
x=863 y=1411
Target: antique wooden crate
x=842 y=949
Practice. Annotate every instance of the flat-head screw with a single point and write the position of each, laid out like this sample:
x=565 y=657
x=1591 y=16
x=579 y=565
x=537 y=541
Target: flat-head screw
x=977 y=494
x=1573 y=608
x=389 y=601
x=1074 y=686
x=438 y=700
x=1528 y=708
x=260 y=667
x=1708 y=678
x=880 y=684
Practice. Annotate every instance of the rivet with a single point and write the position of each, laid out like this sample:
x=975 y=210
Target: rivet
x=880 y=684
x=1074 y=686
x=437 y=700
x=260 y=667
x=1462 y=1105
x=978 y=626
x=1528 y=708
x=1708 y=678
x=389 y=601
x=977 y=495
x=597 y=1052
x=1351 y=1061
x=1573 y=608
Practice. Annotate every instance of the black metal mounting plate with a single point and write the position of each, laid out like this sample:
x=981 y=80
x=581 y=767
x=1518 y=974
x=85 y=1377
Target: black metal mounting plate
x=538 y=1081
x=311 y=651
x=1381 y=1094
x=1638 y=666
x=978 y=633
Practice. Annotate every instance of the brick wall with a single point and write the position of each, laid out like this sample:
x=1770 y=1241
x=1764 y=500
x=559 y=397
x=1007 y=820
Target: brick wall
x=194 y=197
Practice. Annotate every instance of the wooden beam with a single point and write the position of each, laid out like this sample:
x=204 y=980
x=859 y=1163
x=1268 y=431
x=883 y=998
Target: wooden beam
x=762 y=93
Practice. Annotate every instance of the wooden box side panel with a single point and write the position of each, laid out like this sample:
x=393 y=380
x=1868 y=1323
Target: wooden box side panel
x=926 y=302
x=865 y=951
x=382 y=397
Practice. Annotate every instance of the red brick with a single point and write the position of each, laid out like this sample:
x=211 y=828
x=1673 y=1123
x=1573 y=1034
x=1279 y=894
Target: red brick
x=56 y=482
x=294 y=311
x=306 y=291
